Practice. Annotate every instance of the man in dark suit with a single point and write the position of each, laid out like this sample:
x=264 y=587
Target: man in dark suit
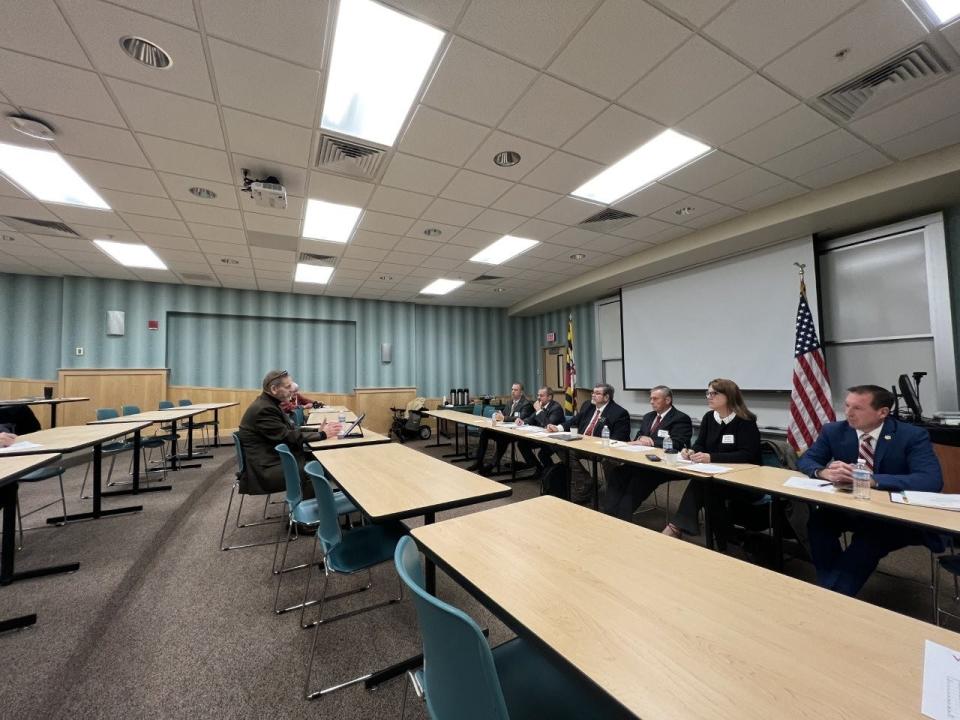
x=519 y=408
x=602 y=412
x=629 y=485
x=264 y=426
x=546 y=411
x=901 y=458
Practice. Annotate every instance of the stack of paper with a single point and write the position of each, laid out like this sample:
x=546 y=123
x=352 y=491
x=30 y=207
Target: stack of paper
x=941 y=501
x=20 y=447
x=808 y=483
x=708 y=469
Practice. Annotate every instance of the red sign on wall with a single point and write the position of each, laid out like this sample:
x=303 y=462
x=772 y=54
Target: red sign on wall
x=551 y=337
x=153 y=324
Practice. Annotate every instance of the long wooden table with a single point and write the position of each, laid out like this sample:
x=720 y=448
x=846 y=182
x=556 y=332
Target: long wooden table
x=172 y=416
x=671 y=630
x=332 y=443
x=52 y=402
x=71 y=438
x=11 y=470
x=215 y=408
x=317 y=417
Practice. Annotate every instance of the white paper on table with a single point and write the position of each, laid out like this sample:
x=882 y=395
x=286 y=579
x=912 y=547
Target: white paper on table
x=941 y=682
x=632 y=448
x=808 y=483
x=942 y=501
x=708 y=469
x=527 y=428
x=19 y=446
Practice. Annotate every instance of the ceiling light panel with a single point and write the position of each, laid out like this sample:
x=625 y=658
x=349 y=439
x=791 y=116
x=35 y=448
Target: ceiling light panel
x=656 y=158
x=945 y=10
x=134 y=255
x=47 y=176
x=441 y=287
x=329 y=221
x=316 y=274
x=379 y=60
x=503 y=249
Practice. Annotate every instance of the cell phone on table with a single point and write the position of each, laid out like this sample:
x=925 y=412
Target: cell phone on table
x=653 y=458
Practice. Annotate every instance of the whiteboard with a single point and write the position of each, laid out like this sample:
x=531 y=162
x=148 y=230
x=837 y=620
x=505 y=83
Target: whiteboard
x=608 y=324
x=734 y=318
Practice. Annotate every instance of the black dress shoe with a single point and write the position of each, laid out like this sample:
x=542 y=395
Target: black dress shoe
x=474 y=467
x=486 y=470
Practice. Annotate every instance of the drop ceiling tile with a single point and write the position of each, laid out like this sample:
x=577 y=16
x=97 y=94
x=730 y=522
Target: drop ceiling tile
x=384 y=223
x=7 y=189
x=570 y=211
x=497 y=221
x=215 y=250
x=141 y=204
x=695 y=74
x=952 y=34
x=446 y=231
x=217 y=234
x=534 y=229
x=450 y=212
x=112 y=176
x=471 y=187
x=665 y=236
x=339 y=189
x=770 y=196
x=531 y=155
x=63 y=243
x=613 y=135
x=714 y=217
x=438 y=136
x=873 y=31
x=178 y=187
x=347 y=274
x=251 y=81
x=96 y=24
x=20 y=207
x=258 y=222
x=183 y=258
x=531 y=31
x=751 y=103
x=525 y=200
x=822 y=151
x=90 y=140
x=760 y=30
x=551 y=111
x=919 y=110
x=852 y=166
x=605 y=54
x=562 y=173
x=294 y=28
x=412 y=260
x=364 y=253
x=168 y=115
x=697 y=12
x=262 y=137
x=51 y=87
x=183 y=159
x=707 y=171
x=171 y=242
x=176 y=11
x=741 y=186
x=366 y=238
x=456 y=252
x=649 y=199
x=209 y=214
x=440 y=263
x=274 y=285
x=261 y=253
x=785 y=132
x=237 y=283
x=476 y=83
x=399 y=202
x=357 y=264
x=932 y=137
x=471 y=237
x=574 y=237
x=412 y=173
x=696 y=207
x=609 y=243
x=28 y=26
x=163 y=226
x=87 y=216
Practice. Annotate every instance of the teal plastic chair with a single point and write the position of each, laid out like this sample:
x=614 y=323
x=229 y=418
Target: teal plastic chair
x=151 y=442
x=486 y=411
x=165 y=405
x=299 y=512
x=236 y=489
x=344 y=554
x=463 y=679
x=111 y=449
x=44 y=473
x=298 y=417
x=203 y=425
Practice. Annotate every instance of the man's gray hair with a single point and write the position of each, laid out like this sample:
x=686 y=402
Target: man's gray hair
x=667 y=392
x=607 y=389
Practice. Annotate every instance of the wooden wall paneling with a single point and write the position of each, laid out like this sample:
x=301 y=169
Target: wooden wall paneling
x=110 y=387
x=15 y=388
x=376 y=403
x=949 y=457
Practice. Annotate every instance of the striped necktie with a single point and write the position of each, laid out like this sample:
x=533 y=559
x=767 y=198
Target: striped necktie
x=866 y=450
x=593 y=423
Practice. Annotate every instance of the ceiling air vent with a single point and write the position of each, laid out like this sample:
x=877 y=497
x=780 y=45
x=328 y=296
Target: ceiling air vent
x=197 y=277
x=348 y=158
x=487 y=278
x=607 y=220
x=39 y=227
x=910 y=71
x=311 y=257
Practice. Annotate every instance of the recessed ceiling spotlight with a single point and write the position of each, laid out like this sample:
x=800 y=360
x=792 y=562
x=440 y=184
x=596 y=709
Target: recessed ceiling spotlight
x=499 y=290
x=433 y=232
x=841 y=54
x=30 y=126
x=684 y=211
x=577 y=256
x=8 y=238
x=145 y=52
x=229 y=261
x=507 y=158
x=202 y=192
x=386 y=277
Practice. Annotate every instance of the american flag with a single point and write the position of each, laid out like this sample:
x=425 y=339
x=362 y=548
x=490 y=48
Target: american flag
x=810 y=406
x=570 y=372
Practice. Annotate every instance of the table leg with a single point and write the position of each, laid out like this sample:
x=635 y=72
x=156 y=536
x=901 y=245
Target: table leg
x=439 y=444
x=8 y=542
x=98 y=512
x=776 y=509
x=136 y=489
x=18 y=623
x=708 y=511
x=596 y=483
x=456 y=448
x=189 y=454
x=53 y=415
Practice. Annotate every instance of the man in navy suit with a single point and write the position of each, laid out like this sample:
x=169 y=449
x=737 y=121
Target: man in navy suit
x=901 y=458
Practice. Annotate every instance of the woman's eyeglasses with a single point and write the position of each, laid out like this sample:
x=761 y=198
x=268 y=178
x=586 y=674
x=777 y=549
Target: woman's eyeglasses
x=712 y=394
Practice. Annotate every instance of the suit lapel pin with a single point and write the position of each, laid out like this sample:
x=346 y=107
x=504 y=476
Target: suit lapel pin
x=887 y=437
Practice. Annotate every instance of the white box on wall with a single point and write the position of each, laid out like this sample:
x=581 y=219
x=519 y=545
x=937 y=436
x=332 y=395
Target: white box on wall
x=115 y=322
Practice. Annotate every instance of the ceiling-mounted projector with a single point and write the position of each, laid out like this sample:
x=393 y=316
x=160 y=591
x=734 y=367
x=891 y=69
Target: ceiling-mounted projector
x=267 y=192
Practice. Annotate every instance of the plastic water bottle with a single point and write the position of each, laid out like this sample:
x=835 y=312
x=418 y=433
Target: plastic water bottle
x=605 y=437
x=668 y=454
x=862 y=477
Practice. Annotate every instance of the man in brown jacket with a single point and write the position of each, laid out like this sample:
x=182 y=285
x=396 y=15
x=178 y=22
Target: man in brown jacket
x=264 y=426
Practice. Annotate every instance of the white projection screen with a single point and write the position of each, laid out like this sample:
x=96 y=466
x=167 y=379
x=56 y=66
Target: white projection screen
x=734 y=318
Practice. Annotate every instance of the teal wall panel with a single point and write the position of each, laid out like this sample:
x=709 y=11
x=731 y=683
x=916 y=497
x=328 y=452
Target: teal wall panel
x=29 y=326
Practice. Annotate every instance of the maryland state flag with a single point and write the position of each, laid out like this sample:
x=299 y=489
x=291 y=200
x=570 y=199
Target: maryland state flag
x=569 y=372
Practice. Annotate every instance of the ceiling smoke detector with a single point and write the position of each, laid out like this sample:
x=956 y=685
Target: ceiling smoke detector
x=681 y=212
x=229 y=261
x=432 y=232
x=145 y=52
x=506 y=158
x=499 y=290
x=202 y=192
x=577 y=256
x=32 y=127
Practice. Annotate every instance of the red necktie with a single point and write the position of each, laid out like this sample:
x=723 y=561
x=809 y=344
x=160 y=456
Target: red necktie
x=593 y=423
x=866 y=450
x=656 y=425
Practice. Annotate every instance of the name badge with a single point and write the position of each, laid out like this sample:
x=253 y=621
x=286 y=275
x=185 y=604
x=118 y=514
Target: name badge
x=663 y=433
x=727 y=440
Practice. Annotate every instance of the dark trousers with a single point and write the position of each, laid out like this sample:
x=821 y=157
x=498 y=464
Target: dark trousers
x=627 y=488
x=533 y=455
x=502 y=442
x=845 y=571
x=727 y=503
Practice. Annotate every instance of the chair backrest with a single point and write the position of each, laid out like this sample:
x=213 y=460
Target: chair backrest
x=130 y=409
x=291 y=475
x=778 y=453
x=489 y=410
x=298 y=416
x=106 y=413
x=185 y=402
x=238 y=449
x=165 y=405
x=328 y=530
x=566 y=421
x=460 y=678
x=478 y=409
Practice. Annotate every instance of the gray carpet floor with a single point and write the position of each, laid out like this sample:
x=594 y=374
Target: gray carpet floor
x=160 y=623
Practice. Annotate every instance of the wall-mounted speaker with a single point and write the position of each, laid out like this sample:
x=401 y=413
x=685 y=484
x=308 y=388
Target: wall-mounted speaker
x=115 y=322
x=386 y=352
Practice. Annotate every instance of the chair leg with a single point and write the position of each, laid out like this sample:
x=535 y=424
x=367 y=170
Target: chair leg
x=20 y=524
x=936 y=594
x=283 y=560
